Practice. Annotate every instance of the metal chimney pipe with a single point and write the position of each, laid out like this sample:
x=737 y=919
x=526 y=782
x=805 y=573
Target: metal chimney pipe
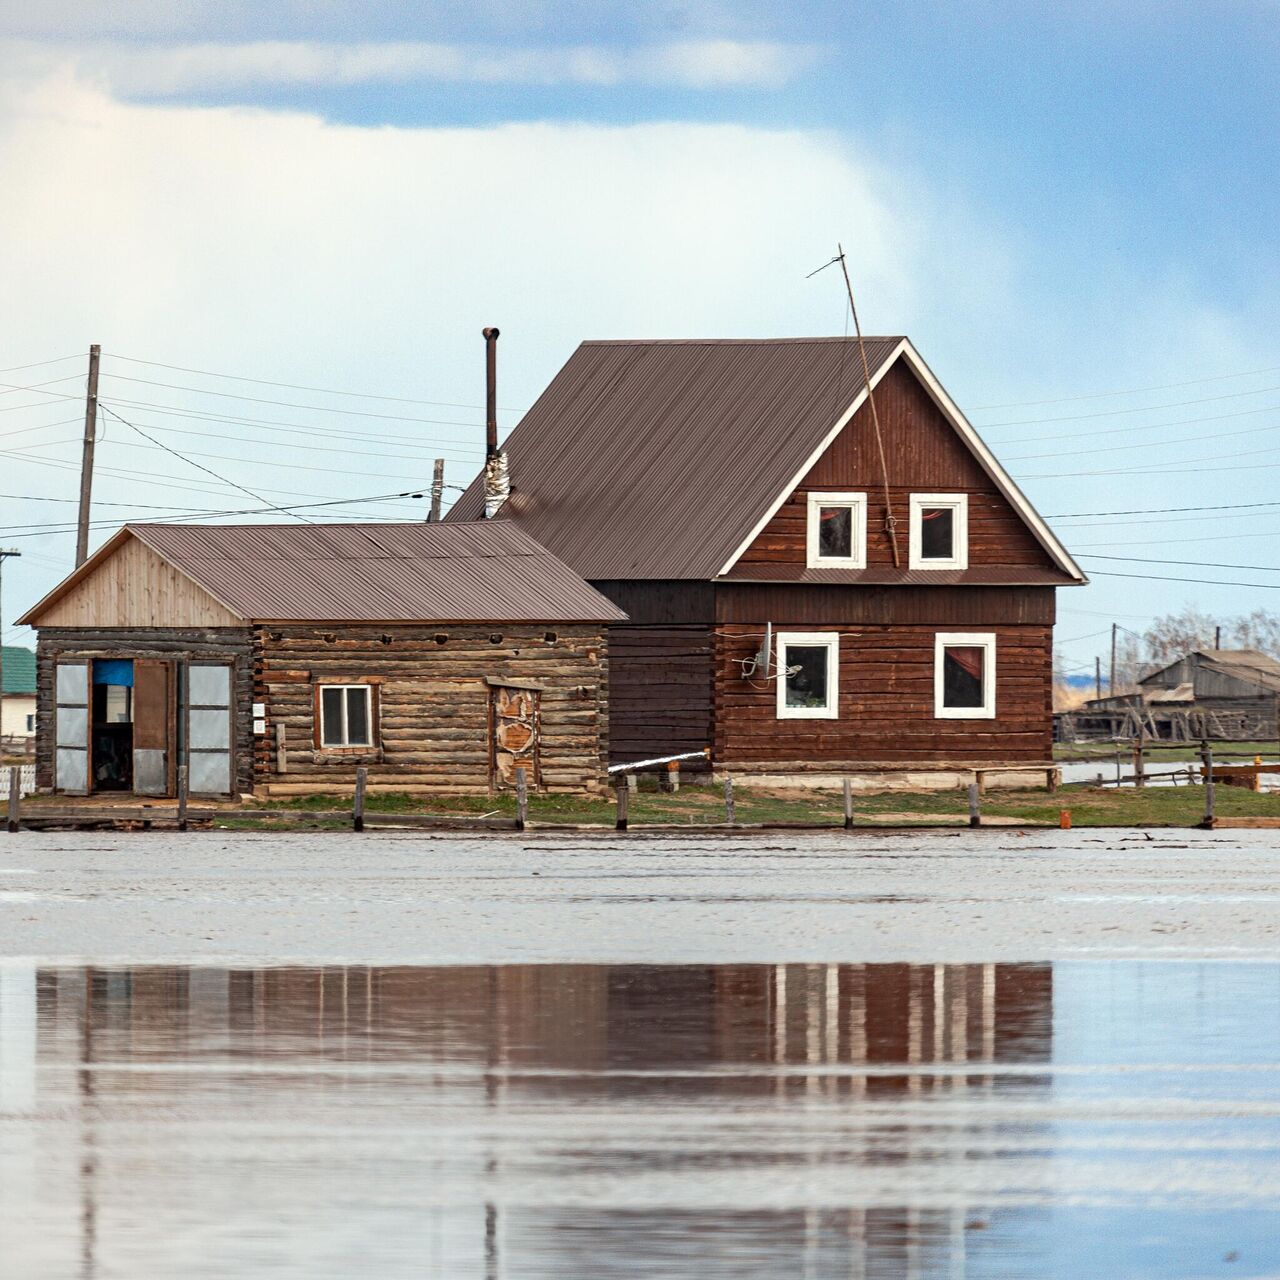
x=490 y=392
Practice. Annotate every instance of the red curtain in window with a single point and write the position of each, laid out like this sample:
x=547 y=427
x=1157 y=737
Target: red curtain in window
x=968 y=658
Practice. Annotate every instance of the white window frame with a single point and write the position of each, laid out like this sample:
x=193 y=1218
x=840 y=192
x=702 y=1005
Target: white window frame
x=830 y=640
x=986 y=640
x=345 y=744
x=959 y=504
x=857 y=504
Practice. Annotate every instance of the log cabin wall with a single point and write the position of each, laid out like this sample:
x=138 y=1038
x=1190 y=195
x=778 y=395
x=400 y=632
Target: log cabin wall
x=432 y=732
x=660 y=670
x=925 y=455
x=221 y=644
x=886 y=677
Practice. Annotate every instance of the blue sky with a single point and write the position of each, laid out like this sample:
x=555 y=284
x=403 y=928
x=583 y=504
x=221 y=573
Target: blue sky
x=1055 y=201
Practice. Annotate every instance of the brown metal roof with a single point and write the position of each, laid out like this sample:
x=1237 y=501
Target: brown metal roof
x=656 y=459
x=485 y=572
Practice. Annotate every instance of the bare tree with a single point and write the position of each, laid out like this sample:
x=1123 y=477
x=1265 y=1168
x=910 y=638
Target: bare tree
x=1256 y=630
x=1175 y=634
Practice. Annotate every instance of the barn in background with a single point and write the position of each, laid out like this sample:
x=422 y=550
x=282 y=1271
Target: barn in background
x=275 y=660
x=819 y=577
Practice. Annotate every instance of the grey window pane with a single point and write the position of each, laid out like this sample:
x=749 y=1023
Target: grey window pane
x=937 y=533
x=358 y=717
x=71 y=771
x=807 y=686
x=150 y=774
x=73 y=684
x=331 y=717
x=210 y=773
x=835 y=531
x=73 y=726
x=209 y=729
x=208 y=686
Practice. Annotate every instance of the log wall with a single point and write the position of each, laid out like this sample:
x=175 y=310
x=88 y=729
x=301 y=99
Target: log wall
x=886 y=703
x=433 y=703
x=233 y=644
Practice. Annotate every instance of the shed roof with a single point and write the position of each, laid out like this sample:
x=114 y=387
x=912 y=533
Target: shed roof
x=18 y=670
x=1250 y=665
x=662 y=459
x=489 y=571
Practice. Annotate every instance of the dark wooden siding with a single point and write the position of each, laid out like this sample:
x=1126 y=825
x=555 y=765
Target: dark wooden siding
x=924 y=455
x=234 y=644
x=661 y=601
x=660 y=690
x=434 y=703
x=944 y=607
x=886 y=702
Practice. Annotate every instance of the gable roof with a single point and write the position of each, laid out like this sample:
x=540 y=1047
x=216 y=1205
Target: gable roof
x=485 y=572
x=665 y=459
x=18 y=670
x=1250 y=665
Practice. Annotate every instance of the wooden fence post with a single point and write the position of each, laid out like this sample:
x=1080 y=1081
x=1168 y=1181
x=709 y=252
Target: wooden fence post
x=975 y=815
x=729 y=815
x=623 y=792
x=1206 y=754
x=357 y=809
x=1139 y=765
x=848 y=804
x=673 y=776
x=282 y=753
x=15 y=797
x=522 y=799
x=182 y=797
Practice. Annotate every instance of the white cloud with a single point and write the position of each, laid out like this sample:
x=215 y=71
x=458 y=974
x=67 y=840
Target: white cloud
x=280 y=246
x=156 y=70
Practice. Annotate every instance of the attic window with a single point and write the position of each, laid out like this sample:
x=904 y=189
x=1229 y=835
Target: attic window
x=837 y=531
x=939 y=531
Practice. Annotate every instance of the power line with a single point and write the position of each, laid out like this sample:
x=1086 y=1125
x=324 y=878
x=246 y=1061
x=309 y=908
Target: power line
x=293 y=404
x=1200 y=564
x=1153 y=511
x=1131 y=391
x=1207 y=582
x=1141 y=444
x=199 y=466
x=1145 y=408
x=39 y=364
x=294 y=386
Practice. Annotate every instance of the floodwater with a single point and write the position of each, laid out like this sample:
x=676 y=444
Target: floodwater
x=1114 y=1118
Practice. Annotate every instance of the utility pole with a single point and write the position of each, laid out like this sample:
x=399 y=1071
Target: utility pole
x=437 y=492
x=86 y=461
x=1111 y=686
x=1217 y=637
x=1097 y=678
x=5 y=553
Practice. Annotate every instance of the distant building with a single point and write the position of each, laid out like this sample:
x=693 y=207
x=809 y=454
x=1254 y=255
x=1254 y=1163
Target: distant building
x=1231 y=694
x=277 y=659
x=18 y=704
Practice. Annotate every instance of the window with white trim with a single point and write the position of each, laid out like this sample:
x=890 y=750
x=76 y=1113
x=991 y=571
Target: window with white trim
x=808 y=675
x=939 y=536
x=837 y=531
x=964 y=675
x=346 y=715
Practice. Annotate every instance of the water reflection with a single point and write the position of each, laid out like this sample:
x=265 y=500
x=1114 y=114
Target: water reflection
x=530 y=1121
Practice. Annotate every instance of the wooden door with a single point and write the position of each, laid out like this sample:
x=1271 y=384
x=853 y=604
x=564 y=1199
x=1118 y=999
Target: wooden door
x=72 y=746
x=515 y=717
x=152 y=728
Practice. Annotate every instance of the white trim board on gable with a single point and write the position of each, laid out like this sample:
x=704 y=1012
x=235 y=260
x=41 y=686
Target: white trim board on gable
x=974 y=442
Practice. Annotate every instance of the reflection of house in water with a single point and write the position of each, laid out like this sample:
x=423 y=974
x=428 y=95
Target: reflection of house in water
x=813 y=1053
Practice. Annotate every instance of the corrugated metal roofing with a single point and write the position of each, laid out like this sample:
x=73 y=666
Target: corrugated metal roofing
x=18 y=669
x=485 y=572
x=656 y=459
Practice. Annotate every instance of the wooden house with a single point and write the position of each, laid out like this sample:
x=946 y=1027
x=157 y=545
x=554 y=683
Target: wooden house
x=17 y=698
x=1231 y=694
x=817 y=579
x=277 y=659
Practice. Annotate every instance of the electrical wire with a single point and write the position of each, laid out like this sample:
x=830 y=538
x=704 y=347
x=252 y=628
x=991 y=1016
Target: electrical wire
x=1141 y=444
x=294 y=386
x=1199 y=564
x=40 y=364
x=1208 y=582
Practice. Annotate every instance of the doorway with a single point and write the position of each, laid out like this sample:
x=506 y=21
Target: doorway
x=111 y=722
